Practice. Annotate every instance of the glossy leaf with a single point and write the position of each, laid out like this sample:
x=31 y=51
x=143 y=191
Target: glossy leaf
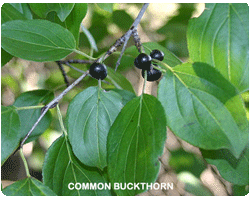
x=203 y=108
x=10 y=131
x=28 y=117
x=61 y=167
x=89 y=117
x=231 y=169
x=135 y=142
x=220 y=37
x=37 y=40
x=13 y=11
x=42 y=9
x=28 y=187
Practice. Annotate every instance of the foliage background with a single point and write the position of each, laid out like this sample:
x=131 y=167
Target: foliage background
x=162 y=23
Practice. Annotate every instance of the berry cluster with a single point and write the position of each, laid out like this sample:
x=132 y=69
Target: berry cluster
x=143 y=61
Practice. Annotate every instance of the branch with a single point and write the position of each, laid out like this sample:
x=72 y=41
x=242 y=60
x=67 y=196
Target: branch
x=75 y=61
x=63 y=73
x=52 y=104
x=124 y=39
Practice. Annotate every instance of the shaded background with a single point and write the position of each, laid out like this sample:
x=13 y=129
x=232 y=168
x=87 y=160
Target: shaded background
x=166 y=24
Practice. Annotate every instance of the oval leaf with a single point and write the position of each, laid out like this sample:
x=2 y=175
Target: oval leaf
x=89 y=117
x=61 y=167
x=203 y=108
x=220 y=37
x=28 y=187
x=37 y=40
x=10 y=131
x=135 y=142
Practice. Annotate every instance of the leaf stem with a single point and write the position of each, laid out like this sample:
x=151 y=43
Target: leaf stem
x=84 y=54
x=100 y=84
x=145 y=81
x=61 y=120
x=25 y=163
x=29 y=107
x=160 y=69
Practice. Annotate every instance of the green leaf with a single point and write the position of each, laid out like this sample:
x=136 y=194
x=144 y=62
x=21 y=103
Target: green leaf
x=75 y=18
x=28 y=187
x=24 y=9
x=9 y=13
x=135 y=142
x=231 y=169
x=220 y=37
x=13 y=11
x=203 y=108
x=122 y=19
x=89 y=117
x=61 y=167
x=119 y=80
x=5 y=57
x=126 y=95
x=28 y=117
x=37 y=40
x=10 y=131
x=106 y=6
x=239 y=190
x=42 y=9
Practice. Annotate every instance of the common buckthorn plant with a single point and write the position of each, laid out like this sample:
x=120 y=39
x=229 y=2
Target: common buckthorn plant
x=90 y=108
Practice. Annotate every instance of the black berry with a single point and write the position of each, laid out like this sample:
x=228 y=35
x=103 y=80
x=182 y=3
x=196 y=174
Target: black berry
x=98 y=71
x=156 y=54
x=152 y=74
x=143 y=61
